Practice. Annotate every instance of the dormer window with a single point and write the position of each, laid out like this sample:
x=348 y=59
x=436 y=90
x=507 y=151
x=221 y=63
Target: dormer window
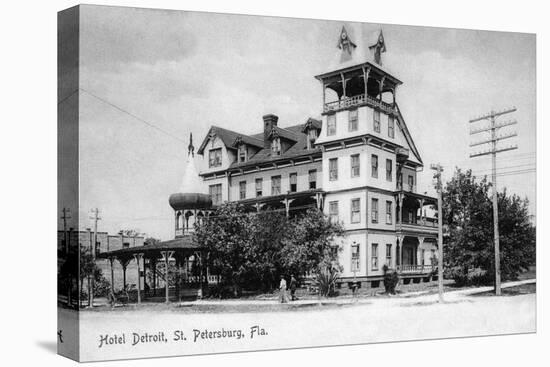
x=242 y=153
x=215 y=157
x=276 y=146
x=311 y=137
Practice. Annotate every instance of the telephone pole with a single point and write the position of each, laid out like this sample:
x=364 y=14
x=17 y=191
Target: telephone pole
x=437 y=175
x=95 y=218
x=493 y=151
x=66 y=215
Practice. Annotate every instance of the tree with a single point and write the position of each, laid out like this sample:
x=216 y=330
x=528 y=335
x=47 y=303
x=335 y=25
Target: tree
x=88 y=268
x=467 y=211
x=310 y=244
x=228 y=237
x=254 y=249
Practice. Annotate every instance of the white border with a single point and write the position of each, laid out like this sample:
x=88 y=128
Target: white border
x=28 y=152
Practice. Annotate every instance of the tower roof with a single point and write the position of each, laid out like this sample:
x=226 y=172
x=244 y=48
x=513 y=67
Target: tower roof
x=192 y=193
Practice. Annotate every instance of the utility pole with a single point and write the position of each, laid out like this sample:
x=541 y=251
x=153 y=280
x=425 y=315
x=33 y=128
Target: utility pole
x=493 y=151
x=95 y=218
x=437 y=175
x=65 y=216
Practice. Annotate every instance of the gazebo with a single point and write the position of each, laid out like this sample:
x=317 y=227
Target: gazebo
x=190 y=205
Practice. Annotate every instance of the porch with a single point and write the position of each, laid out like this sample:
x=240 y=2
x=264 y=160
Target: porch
x=289 y=203
x=170 y=269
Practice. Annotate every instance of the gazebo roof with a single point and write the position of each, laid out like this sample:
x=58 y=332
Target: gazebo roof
x=177 y=244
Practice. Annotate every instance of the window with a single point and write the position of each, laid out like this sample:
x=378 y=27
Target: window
x=374 y=210
x=355 y=166
x=355 y=257
x=389 y=168
x=312 y=179
x=410 y=180
x=374 y=164
x=259 y=186
x=293 y=178
x=389 y=216
x=276 y=185
x=311 y=137
x=410 y=215
x=216 y=193
x=391 y=127
x=97 y=248
x=388 y=255
x=276 y=146
x=355 y=210
x=374 y=256
x=376 y=121
x=333 y=169
x=126 y=245
x=333 y=211
x=331 y=125
x=215 y=157
x=353 y=117
x=242 y=190
x=433 y=259
x=242 y=153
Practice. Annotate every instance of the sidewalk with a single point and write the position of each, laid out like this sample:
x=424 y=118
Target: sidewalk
x=404 y=299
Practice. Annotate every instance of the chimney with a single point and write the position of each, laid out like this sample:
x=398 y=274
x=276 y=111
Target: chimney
x=270 y=121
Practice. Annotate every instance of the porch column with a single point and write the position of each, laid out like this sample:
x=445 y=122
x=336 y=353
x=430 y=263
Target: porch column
x=401 y=239
x=138 y=258
x=422 y=211
x=287 y=206
x=400 y=217
x=319 y=200
x=366 y=72
x=393 y=95
x=124 y=263
x=402 y=247
x=111 y=259
x=166 y=255
x=324 y=95
x=153 y=268
x=381 y=87
x=343 y=85
x=419 y=250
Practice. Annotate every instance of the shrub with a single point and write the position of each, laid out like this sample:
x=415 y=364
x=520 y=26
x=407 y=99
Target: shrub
x=102 y=287
x=464 y=277
x=391 y=279
x=326 y=280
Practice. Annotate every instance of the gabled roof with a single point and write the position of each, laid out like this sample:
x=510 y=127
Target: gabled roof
x=228 y=137
x=312 y=123
x=294 y=134
x=248 y=140
x=282 y=133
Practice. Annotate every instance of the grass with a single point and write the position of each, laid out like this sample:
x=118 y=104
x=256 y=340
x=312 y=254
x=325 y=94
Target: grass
x=511 y=291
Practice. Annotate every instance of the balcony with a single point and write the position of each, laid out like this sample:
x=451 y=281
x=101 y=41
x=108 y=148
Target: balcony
x=359 y=100
x=416 y=269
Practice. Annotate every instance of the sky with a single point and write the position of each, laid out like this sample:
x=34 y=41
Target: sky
x=186 y=71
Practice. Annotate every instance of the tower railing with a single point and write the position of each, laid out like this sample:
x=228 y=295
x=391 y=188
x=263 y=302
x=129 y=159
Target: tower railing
x=361 y=99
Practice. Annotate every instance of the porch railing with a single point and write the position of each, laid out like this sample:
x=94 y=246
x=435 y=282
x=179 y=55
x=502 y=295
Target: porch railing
x=359 y=100
x=406 y=268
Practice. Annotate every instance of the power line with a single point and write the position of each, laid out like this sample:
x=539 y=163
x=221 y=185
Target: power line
x=527 y=165
x=68 y=96
x=133 y=115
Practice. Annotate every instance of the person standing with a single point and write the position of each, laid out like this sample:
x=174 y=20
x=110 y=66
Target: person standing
x=282 y=290
x=293 y=286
